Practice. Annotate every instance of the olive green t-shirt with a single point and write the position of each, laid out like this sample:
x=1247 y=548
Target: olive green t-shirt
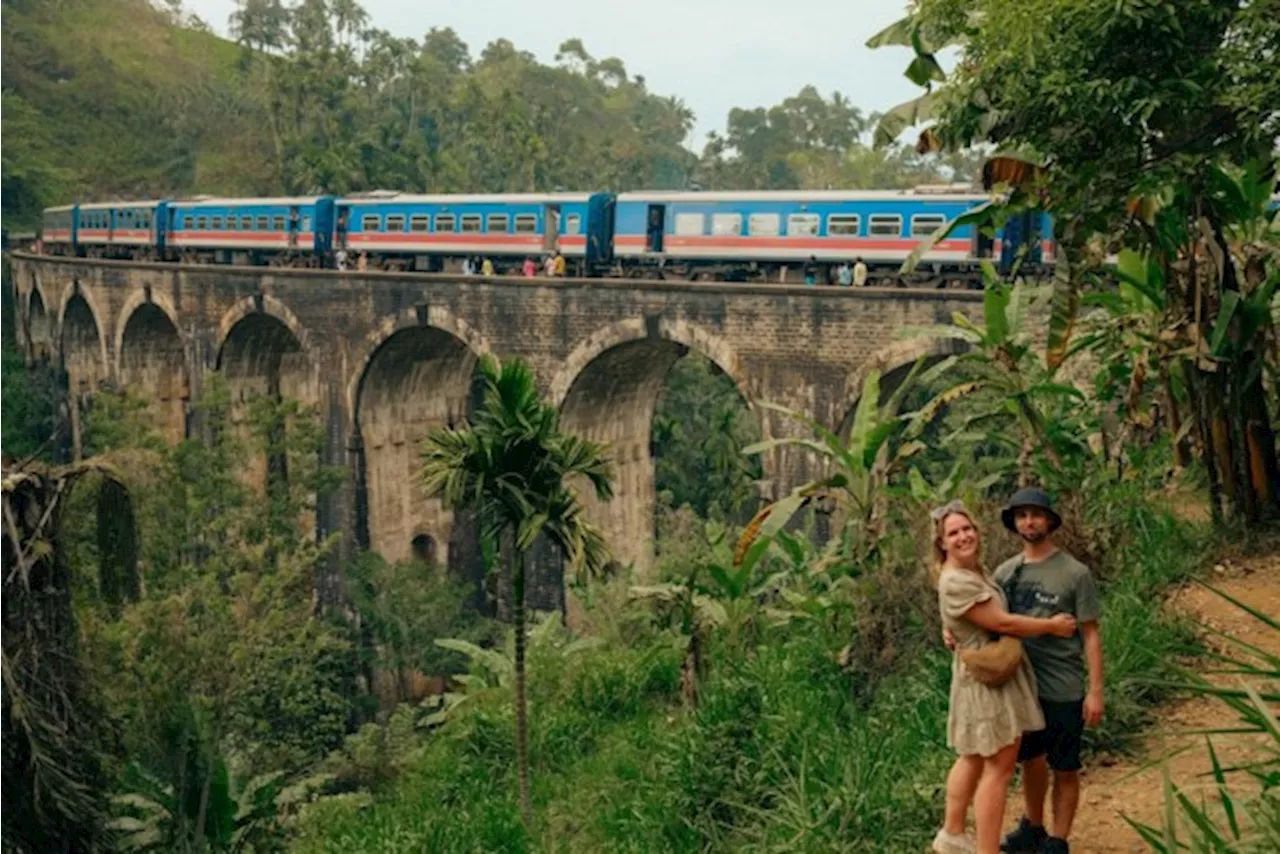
x=1056 y=585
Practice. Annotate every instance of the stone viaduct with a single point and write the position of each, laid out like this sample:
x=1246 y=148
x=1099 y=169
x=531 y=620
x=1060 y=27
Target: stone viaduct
x=385 y=357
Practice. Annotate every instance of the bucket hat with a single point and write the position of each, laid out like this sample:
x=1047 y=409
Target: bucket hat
x=1030 y=496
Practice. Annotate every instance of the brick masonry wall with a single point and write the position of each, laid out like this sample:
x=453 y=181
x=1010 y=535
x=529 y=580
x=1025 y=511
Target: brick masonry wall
x=387 y=356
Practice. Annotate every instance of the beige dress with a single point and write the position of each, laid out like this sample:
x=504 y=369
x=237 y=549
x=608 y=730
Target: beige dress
x=982 y=719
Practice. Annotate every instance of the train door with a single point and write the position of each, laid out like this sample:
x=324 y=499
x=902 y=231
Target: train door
x=655 y=227
x=551 y=228
x=295 y=220
x=342 y=225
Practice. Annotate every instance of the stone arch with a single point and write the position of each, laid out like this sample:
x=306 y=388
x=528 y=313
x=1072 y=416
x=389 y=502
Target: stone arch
x=263 y=352
x=39 y=325
x=894 y=362
x=607 y=391
x=434 y=316
x=681 y=332
x=417 y=375
x=151 y=358
x=81 y=341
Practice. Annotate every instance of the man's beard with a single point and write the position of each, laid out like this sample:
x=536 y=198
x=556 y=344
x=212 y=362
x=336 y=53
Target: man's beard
x=1035 y=539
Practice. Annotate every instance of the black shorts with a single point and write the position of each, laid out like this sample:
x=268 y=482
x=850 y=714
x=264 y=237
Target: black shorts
x=1060 y=738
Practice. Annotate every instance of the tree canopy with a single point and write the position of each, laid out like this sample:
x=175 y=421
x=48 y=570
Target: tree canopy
x=119 y=99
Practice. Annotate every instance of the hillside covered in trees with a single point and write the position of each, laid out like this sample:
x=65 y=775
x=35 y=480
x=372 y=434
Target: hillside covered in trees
x=127 y=98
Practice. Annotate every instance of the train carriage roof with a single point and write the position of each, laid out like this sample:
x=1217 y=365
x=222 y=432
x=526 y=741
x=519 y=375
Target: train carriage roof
x=102 y=206
x=217 y=202
x=59 y=209
x=464 y=199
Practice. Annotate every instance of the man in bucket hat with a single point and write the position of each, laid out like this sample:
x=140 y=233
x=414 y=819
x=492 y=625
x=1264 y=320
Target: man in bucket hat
x=1041 y=581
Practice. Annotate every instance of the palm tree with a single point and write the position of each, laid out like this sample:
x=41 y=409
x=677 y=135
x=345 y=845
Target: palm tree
x=514 y=468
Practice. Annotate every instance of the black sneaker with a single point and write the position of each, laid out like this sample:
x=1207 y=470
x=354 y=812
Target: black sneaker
x=1055 y=845
x=1026 y=837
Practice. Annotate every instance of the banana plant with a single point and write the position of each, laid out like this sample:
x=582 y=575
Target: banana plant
x=1017 y=389
x=879 y=446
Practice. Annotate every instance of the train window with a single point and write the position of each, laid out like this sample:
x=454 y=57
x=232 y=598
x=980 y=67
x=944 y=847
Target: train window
x=216 y=223
x=246 y=223
x=231 y=222
x=803 y=225
x=499 y=223
x=419 y=222
x=763 y=224
x=395 y=222
x=572 y=224
x=277 y=222
x=690 y=224
x=922 y=225
x=726 y=224
x=471 y=222
x=187 y=223
x=264 y=223
x=526 y=224
x=884 y=225
x=370 y=222
x=202 y=223
x=843 y=224
x=445 y=222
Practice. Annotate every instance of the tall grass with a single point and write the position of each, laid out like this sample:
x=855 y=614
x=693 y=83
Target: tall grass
x=784 y=752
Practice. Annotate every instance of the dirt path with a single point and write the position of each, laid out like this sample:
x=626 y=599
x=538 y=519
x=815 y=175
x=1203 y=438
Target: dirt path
x=1110 y=788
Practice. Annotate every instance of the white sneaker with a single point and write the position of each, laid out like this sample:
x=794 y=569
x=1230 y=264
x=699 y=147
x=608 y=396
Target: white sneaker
x=954 y=843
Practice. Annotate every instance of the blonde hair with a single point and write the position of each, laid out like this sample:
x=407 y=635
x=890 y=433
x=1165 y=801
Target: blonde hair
x=940 y=518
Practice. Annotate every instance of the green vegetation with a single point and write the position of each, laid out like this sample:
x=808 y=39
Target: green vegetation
x=513 y=469
x=1243 y=813
x=171 y=683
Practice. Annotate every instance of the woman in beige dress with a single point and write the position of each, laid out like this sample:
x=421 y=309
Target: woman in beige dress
x=985 y=723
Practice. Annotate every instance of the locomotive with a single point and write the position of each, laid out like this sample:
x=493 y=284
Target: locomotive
x=740 y=235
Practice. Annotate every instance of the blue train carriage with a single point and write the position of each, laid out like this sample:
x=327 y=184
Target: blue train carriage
x=775 y=235
x=286 y=231
x=122 y=230
x=58 y=230
x=434 y=233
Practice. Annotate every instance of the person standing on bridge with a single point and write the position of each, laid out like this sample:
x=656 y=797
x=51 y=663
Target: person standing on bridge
x=811 y=270
x=560 y=264
x=859 y=273
x=844 y=275
x=529 y=269
x=486 y=267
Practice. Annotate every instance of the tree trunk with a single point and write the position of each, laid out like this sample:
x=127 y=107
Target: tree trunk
x=1264 y=470
x=1207 y=452
x=1175 y=417
x=522 y=713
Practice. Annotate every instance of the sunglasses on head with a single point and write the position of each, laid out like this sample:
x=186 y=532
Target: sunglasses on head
x=956 y=506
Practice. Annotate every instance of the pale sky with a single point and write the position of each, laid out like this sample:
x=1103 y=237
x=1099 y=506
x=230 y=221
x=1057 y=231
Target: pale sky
x=714 y=54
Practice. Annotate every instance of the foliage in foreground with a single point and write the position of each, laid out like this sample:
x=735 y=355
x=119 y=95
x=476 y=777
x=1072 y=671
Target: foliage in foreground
x=1239 y=811
x=782 y=751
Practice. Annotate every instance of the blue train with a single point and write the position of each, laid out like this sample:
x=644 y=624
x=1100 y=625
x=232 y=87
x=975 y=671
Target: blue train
x=764 y=236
